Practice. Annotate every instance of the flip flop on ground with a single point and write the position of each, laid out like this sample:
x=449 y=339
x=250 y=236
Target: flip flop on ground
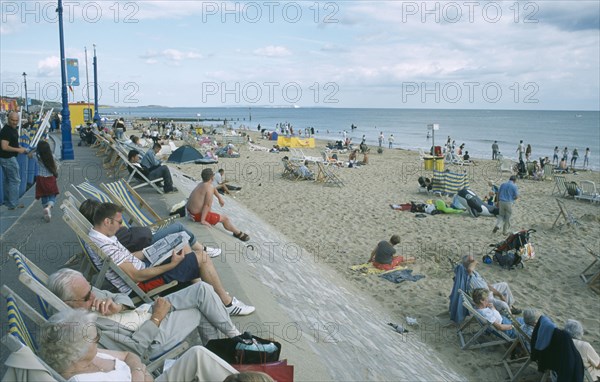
x=242 y=236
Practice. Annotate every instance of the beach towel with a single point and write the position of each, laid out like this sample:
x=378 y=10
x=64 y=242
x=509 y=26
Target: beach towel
x=401 y=276
x=369 y=269
x=461 y=281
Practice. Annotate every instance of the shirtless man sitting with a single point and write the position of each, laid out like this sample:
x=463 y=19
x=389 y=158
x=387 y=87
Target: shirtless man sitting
x=200 y=202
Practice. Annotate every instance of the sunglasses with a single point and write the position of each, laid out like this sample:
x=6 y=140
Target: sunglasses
x=86 y=298
x=119 y=222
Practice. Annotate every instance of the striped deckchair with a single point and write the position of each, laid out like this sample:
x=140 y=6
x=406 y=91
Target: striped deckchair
x=35 y=279
x=24 y=269
x=136 y=207
x=88 y=191
x=16 y=325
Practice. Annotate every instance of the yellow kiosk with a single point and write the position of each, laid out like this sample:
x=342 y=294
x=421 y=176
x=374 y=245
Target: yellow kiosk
x=81 y=112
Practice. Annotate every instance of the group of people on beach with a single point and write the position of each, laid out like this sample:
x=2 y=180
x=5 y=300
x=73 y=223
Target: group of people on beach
x=131 y=334
x=562 y=350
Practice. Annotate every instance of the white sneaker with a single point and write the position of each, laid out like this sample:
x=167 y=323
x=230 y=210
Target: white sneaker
x=213 y=252
x=238 y=308
x=47 y=214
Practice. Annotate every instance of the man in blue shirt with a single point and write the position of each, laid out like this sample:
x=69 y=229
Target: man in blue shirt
x=155 y=169
x=507 y=194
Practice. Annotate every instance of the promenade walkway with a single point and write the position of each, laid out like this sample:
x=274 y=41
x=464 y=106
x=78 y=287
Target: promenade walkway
x=329 y=329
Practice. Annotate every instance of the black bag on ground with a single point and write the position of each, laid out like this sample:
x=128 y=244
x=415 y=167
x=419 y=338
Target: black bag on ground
x=226 y=349
x=507 y=259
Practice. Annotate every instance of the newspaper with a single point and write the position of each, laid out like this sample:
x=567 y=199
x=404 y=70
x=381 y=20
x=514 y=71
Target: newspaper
x=160 y=251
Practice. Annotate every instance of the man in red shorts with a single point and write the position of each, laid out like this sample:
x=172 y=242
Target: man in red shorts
x=200 y=202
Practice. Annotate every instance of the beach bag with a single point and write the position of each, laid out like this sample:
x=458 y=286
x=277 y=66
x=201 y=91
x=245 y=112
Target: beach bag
x=279 y=371
x=245 y=349
x=527 y=252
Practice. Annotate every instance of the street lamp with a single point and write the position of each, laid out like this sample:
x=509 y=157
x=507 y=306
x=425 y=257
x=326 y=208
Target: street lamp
x=65 y=126
x=26 y=99
x=97 y=118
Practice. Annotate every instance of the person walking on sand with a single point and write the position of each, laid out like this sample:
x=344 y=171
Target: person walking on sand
x=381 y=138
x=555 y=157
x=200 y=202
x=507 y=194
x=495 y=150
x=391 y=141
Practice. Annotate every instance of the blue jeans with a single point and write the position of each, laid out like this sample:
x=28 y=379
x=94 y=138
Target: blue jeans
x=12 y=181
x=170 y=229
x=48 y=200
x=511 y=333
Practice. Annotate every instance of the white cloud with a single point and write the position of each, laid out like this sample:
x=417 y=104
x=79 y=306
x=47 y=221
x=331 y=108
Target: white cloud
x=170 y=56
x=273 y=51
x=49 y=66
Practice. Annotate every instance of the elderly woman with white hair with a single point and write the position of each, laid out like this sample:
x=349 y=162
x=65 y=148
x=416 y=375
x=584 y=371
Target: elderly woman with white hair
x=69 y=346
x=591 y=360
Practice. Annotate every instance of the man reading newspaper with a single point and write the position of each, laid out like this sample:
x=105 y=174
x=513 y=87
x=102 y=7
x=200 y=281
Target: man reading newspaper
x=185 y=266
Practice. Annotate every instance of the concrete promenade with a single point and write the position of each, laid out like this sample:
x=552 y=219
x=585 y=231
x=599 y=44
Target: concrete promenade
x=328 y=328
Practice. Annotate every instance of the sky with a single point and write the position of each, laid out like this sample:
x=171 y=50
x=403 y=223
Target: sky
x=540 y=55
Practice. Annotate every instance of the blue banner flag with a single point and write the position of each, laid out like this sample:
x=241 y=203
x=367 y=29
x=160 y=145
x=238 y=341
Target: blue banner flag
x=72 y=72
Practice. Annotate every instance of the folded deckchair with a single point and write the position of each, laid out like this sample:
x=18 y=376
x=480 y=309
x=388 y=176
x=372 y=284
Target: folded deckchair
x=591 y=274
x=473 y=341
x=138 y=209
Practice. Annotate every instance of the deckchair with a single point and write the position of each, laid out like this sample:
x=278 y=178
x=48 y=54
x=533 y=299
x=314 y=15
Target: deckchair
x=565 y=214
x=326 y=176
x=254 y=147
x=524 y=341
x=88 y=191
x=560 y=187
x=507 y=165
x=35 y=279
x=104 y=263
x=20 y=338
x=588 y=192
x=138 y=209
x=290 y=170
x=485 y=327
x=135 y=172
x=592 y=278
x=548 y=171
x=327 y=159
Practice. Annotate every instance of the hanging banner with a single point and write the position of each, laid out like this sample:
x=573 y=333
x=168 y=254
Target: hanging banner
x=72 y=72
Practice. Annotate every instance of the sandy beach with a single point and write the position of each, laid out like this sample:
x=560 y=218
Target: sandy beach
x=341 y=226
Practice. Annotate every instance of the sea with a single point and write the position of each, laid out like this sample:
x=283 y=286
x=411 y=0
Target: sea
x=477 y=129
